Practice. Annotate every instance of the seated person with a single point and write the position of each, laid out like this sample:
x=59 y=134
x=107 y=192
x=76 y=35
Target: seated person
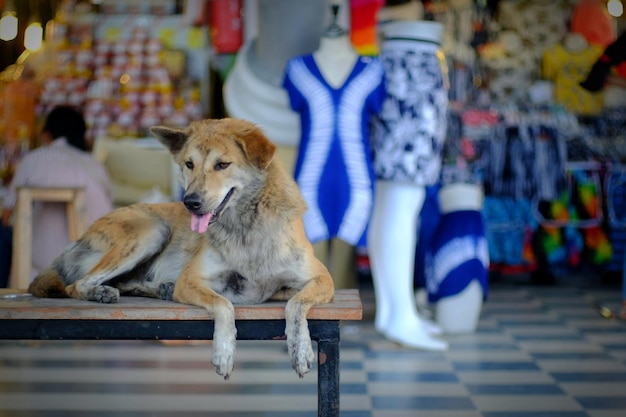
x=63 y=160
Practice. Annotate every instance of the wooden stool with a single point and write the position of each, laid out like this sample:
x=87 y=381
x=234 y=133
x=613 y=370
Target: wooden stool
x=74 y=198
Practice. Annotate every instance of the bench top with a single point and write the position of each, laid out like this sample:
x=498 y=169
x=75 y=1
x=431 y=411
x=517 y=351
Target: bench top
x=19 y=305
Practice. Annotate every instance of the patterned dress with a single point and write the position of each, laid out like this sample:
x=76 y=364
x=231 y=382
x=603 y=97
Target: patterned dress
x=333 y=166
x=409 y=133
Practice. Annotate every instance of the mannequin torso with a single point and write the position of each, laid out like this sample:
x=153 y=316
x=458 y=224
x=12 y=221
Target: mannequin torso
x=574 y=43
x=411 y=10
x=335 y=58
x=460 y=196
x=335 y=91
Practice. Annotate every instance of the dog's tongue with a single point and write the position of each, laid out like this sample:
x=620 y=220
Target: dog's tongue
x=200 y=223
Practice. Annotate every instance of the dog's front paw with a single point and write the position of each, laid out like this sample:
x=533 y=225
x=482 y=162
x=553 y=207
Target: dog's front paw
x=223 y=359
x=301 y=354
x=166 y=291
x=224 y=341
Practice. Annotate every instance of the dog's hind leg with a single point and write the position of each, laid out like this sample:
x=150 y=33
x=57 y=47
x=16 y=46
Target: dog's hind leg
x=121 y=257
x=165 y=290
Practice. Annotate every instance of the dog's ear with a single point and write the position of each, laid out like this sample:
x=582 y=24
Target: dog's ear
x=172 y=138
x=259 y=150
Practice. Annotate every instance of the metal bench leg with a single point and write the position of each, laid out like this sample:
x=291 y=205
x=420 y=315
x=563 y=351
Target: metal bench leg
x=328 y=371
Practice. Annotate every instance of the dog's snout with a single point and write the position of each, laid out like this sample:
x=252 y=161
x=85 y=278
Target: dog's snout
x=192 y=202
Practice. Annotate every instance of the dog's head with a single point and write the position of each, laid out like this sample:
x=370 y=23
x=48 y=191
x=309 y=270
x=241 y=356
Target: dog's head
x=221 y=161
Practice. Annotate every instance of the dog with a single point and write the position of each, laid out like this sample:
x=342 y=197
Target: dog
x=237 y=237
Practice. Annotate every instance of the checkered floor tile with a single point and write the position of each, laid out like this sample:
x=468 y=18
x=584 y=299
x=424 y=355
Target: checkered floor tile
x=538 y=352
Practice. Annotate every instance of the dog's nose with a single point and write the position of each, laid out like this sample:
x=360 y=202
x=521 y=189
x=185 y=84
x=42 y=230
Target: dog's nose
x=192 y=202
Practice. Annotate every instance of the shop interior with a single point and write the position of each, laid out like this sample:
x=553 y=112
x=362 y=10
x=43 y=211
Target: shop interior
x=520 y=114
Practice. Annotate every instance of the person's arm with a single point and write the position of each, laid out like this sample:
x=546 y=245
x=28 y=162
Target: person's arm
x=6 y=216
x=22 y=177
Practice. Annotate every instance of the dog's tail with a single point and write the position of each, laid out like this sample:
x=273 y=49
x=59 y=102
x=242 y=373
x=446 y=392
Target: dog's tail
x=48 y=284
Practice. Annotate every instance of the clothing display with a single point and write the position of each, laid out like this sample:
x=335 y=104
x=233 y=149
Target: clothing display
x=614 y=56
x=363 y=25
x=546 y=18
x=567 y=69
x=525 y=160
x=409 y=132
x=429 y=218
x=509 y=227
x=508 y=68
x=591 y=19
x=571 y=226
x=460 y=22
x=407 y=139
x=458 y=254
x=616 y=213
x=333 y=166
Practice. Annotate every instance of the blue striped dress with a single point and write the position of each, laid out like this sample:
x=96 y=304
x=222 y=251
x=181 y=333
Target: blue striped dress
x=333 y=166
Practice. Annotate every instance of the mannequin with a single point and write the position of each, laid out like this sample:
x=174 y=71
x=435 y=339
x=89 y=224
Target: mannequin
x=459 y=291
x=335 y=91
x=407 y=139
x=401 y=10
x=252 y=89
x=575 y=42
x=335 y=58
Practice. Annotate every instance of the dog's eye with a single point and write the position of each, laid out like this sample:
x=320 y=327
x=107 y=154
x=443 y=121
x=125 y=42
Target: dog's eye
x=221 y=165
x=189 y=164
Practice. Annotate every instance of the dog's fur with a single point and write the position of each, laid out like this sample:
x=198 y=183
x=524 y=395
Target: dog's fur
x=253 y=250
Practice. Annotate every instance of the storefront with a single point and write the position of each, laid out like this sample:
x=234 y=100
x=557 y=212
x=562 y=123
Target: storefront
x=546 y=151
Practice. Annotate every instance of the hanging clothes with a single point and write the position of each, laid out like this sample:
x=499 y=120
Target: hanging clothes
x=333 y=166
x=526 y=160
x=567 y=69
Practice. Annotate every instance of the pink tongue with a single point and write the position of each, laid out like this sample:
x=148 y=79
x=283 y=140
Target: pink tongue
x=200 y=224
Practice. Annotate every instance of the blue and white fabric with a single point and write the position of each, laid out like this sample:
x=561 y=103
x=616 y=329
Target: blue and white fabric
x=333 y=166
x=409 y=133
x=457 y=255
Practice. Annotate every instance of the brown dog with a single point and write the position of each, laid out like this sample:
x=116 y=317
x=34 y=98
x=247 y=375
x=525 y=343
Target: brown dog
x=237 y=237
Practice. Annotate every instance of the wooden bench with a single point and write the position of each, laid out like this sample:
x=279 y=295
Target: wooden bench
x=135 y=318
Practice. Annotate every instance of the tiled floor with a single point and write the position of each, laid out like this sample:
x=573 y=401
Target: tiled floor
x=538 y=352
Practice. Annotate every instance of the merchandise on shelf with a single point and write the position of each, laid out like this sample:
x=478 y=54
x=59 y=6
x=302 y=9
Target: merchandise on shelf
x=127 y=71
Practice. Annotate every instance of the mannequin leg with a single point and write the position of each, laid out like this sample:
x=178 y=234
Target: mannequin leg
x=342 y=263
x=459 y=313
x=391 y=246
x=339 y=258
x=423 y=310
